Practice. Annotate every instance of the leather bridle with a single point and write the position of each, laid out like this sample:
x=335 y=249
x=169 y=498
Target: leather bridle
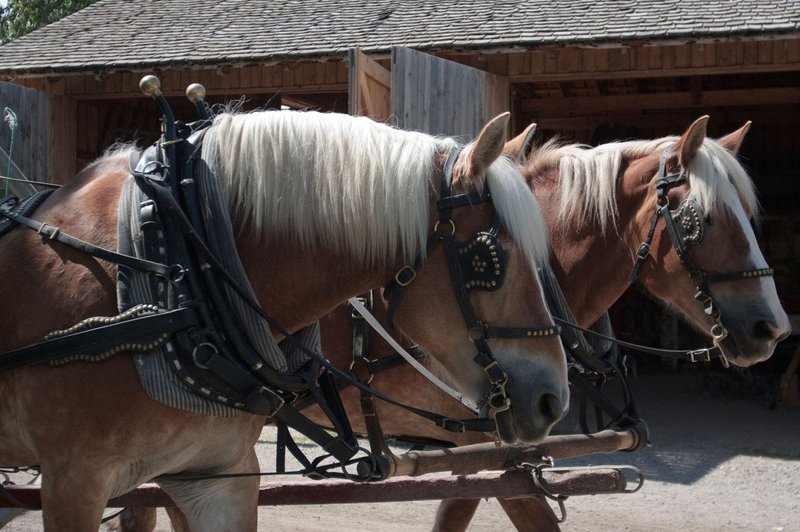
x=685 y=227
x=475 y=264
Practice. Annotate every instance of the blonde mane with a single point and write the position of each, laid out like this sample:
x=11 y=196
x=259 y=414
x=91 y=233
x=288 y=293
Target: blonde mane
x=588 y=178
x=347 y=182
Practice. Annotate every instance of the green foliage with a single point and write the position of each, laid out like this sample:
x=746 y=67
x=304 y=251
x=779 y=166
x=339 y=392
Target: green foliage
x=19 y=17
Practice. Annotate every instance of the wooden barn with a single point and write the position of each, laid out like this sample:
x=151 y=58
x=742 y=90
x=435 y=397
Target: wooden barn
x=588 y=70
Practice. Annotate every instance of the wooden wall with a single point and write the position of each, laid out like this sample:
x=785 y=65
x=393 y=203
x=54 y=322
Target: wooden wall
x=642 y=60
x=442 y=97
x=30 y=149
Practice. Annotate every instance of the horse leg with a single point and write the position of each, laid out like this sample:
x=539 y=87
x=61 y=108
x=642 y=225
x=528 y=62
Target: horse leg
x=218 y=504
x=177 y=519
x=74 y=499
x=138 y=519
x=454 y=515
x=530 y=514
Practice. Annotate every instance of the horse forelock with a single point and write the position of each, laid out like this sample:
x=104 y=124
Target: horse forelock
x=519 y=210
x=718 y=180
x=348 y=182
x=588 y=177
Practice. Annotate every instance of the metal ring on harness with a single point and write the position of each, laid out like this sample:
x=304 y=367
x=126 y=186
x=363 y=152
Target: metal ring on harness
x=718 y=331
x=366 y=363
x=452 y=226
x=195 y=351
x=541 y=485
x=177 y=273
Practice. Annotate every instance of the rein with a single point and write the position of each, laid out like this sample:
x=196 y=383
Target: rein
x=685 y=227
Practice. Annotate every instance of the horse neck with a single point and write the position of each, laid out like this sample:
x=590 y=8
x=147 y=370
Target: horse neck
x=283 y=275
x=592 y=265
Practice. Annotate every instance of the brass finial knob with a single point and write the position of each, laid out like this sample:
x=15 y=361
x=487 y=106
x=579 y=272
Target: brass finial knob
x=195 y=92
x=150 y=85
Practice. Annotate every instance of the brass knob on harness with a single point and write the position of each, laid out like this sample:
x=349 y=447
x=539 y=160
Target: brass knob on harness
x=195 y=92
x=150 y=85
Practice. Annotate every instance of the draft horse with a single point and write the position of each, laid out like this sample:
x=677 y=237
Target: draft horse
x=325 y=207
x=599 y=205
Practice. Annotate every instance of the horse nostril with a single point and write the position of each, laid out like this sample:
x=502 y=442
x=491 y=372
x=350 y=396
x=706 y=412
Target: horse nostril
x=768 y=330
x=551 y=407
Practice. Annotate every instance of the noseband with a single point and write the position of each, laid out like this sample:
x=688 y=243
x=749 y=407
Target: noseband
x=685 y=227
x=478 y=263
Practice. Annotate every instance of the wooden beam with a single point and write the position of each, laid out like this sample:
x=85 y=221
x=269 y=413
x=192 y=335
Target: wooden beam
x=680 y=100
x=639 y=74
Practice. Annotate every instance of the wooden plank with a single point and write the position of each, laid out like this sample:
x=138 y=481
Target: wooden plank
x=438 y=96
x=32 y=142
x=61 y=136
x=655 y=55
x=697 y=55
x=765 y=55
x=537 y=62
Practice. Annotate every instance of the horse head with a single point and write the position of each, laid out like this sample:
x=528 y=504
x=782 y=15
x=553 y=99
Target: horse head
x=499 y=243
x=707 y=260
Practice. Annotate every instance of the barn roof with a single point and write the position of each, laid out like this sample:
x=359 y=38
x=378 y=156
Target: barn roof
x=139 y=34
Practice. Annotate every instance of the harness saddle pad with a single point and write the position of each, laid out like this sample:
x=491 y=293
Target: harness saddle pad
x=134 y=287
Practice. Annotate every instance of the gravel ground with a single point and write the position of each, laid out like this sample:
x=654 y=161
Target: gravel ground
x=720 y=460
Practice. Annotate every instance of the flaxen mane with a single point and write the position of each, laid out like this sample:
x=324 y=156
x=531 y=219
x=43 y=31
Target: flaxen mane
x=349 y=182
x=588 y=178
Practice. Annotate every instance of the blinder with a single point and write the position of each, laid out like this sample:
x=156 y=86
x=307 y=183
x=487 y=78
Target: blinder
x=483 y=261
x=689 y=222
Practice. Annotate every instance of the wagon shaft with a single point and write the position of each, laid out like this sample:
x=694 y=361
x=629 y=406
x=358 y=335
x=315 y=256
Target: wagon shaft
x=488 y=456
x=518 y=483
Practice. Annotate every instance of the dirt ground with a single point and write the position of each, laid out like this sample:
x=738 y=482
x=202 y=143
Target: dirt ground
x=720 y=460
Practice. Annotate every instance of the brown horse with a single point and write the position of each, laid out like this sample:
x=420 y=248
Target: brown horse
x=599 y=204
x=326 y=207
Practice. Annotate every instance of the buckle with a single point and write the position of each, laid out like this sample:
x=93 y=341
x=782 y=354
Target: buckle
x=499 y=391
x=643 y=251
x=276 y=401
x=700 y=355
x=405 y=276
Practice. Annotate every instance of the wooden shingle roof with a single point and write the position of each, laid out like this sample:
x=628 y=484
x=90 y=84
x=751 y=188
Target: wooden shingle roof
x=141 y=34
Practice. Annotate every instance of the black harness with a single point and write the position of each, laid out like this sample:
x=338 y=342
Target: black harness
x=478 y=263
x=685 y=227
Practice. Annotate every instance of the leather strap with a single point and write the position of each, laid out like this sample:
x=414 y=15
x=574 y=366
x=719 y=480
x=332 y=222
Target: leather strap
x=99 y=340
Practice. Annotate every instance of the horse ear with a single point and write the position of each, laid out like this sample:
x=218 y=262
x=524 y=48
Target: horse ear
x=520 y=147
x=733 y=141
x=488 y=146
x=691 y=141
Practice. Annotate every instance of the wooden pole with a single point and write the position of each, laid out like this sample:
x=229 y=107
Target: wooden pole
x=516 y=483
x=488 y=456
